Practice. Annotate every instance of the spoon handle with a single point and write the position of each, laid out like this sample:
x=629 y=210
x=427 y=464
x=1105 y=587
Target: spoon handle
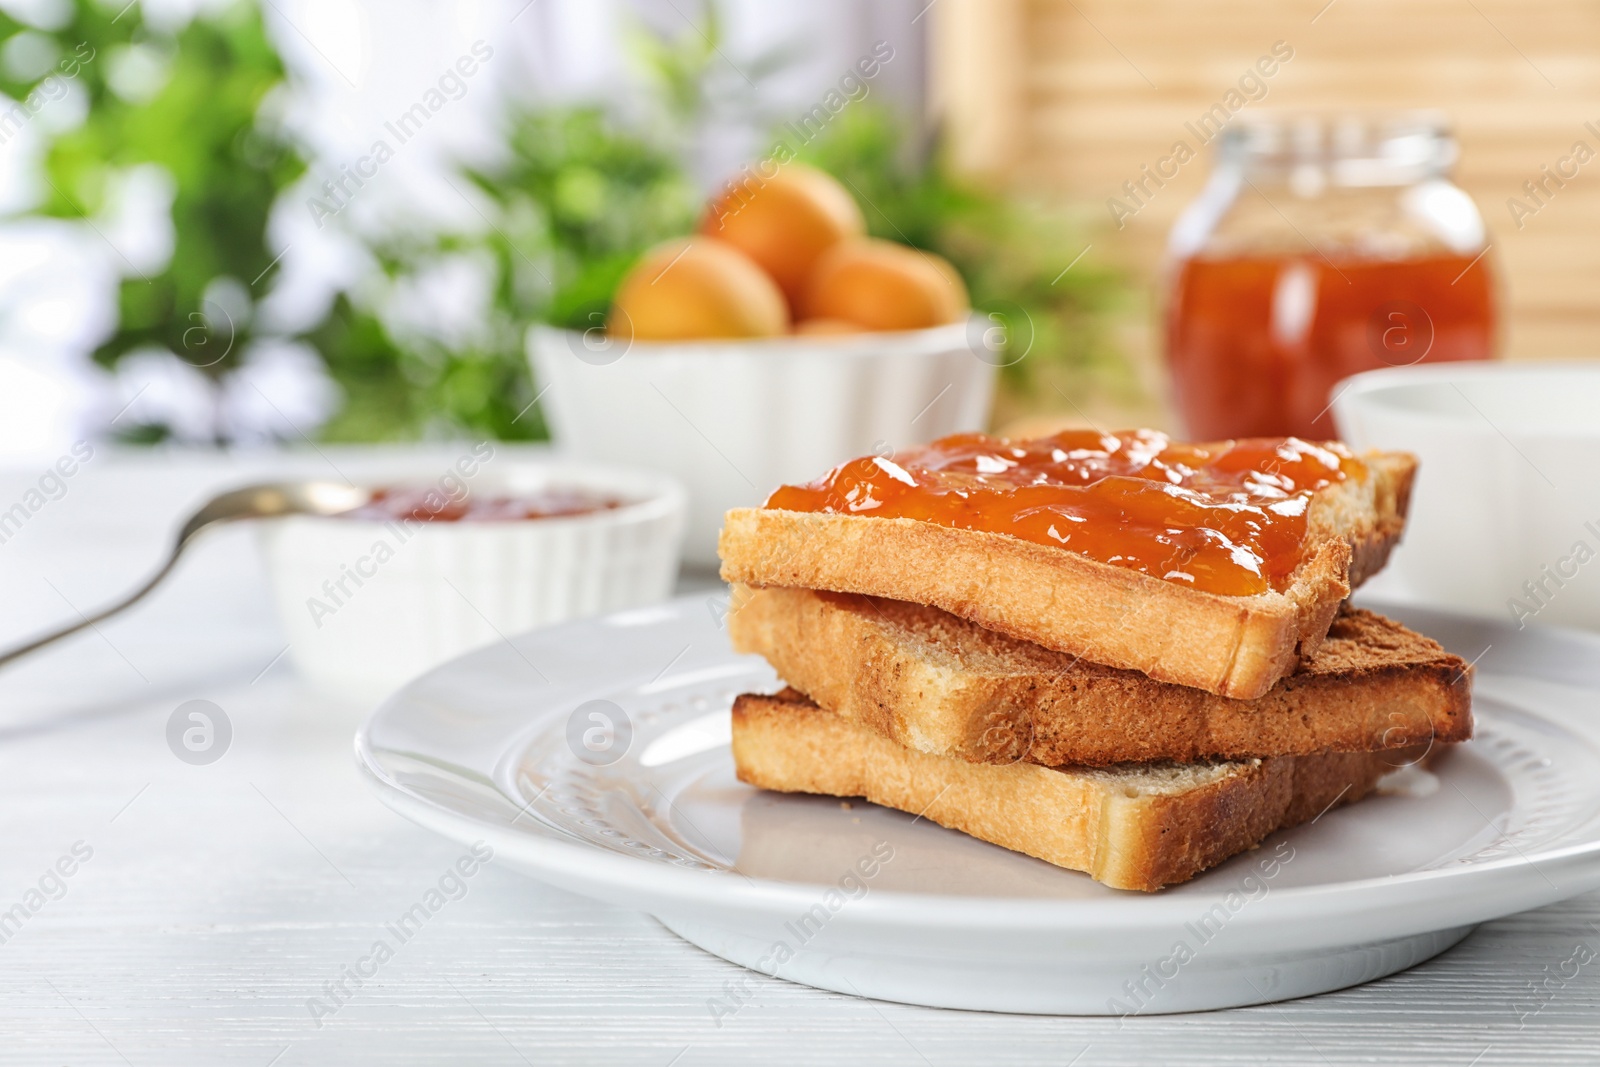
x=265 y=501
x=87 y=621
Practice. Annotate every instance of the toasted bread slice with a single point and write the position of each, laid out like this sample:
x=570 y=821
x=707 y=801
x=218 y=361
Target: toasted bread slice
x=945 y=686
x=1237 y=646
x=1142 y=826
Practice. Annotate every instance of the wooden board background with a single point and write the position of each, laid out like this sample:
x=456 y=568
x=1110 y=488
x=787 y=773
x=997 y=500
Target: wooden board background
x=1067 y=98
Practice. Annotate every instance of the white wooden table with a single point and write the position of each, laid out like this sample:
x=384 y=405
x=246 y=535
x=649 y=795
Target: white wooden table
x=219 y=899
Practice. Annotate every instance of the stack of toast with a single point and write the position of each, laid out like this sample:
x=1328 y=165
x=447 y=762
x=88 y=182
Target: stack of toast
x=1121 y=655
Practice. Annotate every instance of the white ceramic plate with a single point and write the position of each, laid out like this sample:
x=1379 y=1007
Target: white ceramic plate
x=594 y=757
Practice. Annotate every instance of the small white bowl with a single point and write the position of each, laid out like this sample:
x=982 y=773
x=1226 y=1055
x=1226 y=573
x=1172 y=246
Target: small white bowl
x=369 y=604
x=1505 y=518
x=733 y=420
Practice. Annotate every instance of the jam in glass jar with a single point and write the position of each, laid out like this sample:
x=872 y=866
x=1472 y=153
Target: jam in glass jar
x=1320 y=248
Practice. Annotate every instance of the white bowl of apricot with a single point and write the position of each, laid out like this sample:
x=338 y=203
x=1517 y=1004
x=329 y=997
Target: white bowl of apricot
x=776 y=341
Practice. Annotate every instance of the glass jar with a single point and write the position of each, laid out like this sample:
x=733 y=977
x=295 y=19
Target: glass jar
x=1321 y=247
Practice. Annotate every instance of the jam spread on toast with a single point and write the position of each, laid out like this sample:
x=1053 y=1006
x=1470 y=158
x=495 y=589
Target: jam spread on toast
x=1227 y=517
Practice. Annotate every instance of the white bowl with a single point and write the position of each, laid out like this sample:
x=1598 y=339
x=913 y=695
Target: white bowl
x=1505 y=519
x=733 y=420
x=369 y=604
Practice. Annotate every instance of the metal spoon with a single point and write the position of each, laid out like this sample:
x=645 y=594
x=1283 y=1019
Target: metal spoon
x=269 y=501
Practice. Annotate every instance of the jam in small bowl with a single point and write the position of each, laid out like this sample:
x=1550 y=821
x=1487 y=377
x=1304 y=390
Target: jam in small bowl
x=431 y=505
x=435 y=564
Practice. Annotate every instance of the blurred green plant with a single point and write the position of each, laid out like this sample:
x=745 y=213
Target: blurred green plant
x=572 y=203
x=578 y=199
x=576 y=196
x=190 y=102
x=692 y=82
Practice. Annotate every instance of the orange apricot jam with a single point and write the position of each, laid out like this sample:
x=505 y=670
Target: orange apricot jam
x=1227 y=517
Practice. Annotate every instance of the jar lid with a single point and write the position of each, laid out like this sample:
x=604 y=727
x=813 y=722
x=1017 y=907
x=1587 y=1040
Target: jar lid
x=1342 y=149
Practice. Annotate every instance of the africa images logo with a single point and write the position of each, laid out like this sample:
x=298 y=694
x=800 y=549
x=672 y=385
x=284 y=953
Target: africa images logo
x=199 y=732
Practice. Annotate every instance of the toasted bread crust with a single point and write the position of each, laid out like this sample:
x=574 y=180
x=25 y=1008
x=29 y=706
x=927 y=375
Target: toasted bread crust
x=1238 y=646
x=1373 y=517
x=1115 y=825
x=939 y=684
x=1063 y=600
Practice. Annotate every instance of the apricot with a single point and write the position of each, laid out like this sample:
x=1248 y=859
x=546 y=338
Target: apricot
x=693 y=288
x=880 y=285
x=785 y=222
x=824 y=327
